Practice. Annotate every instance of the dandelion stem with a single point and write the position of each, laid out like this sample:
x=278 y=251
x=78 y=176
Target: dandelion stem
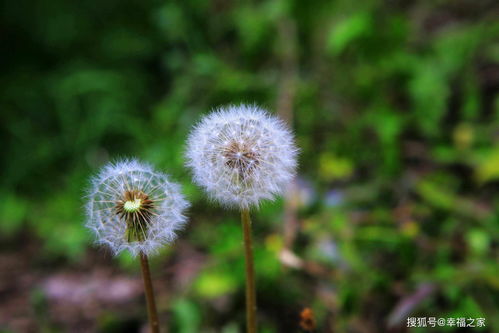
x=250 y=273
x=151 y=303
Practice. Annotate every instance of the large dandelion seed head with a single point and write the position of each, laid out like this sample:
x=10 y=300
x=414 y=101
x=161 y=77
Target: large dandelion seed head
x=132 y=207
x=241 y=155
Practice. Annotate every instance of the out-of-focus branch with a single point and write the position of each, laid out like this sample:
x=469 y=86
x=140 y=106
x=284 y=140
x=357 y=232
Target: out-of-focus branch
x=285 y=102
x=290 y=259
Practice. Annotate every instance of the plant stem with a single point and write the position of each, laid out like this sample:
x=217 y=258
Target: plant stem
x=250 y=273
x=151 y=303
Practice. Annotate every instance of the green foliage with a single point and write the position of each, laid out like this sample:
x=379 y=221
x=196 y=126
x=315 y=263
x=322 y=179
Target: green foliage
x=187 y=316
x=395 y=110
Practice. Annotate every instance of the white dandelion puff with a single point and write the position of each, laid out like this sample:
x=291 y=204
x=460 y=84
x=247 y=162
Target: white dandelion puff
x=241 y=155
x=133 y=207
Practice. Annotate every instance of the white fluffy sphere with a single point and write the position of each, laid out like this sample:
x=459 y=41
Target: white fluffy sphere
x=241 y=155
x=132 y=207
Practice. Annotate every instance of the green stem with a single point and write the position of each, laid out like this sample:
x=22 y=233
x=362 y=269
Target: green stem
x=250 y=273
x=151 y=303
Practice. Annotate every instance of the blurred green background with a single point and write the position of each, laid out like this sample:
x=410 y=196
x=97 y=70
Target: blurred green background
x=395 y=210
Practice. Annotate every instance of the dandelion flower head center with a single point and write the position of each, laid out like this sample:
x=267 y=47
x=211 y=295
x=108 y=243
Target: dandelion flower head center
x=137 y=210
x=132 y=206
x=239 y=155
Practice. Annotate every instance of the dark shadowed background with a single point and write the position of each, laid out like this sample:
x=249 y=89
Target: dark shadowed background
x=394 y=213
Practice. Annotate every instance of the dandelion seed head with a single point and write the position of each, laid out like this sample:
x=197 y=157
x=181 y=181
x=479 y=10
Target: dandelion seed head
x=241 y=155
x=133 y=207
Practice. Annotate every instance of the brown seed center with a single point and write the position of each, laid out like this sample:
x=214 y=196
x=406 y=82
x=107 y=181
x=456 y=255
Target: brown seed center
x=136 y=209
x=240 y=156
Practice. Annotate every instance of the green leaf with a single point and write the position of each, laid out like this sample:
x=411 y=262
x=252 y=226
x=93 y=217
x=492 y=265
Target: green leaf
x=348 y=30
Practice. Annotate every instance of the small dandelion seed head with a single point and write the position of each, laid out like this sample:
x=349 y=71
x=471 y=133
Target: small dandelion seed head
x=241 y=155
x=132 y=207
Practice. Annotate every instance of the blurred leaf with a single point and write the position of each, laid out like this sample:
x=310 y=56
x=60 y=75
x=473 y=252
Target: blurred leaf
x=429 y=91
x=13 y=211
x=463 y=136
x=213 y=284
x=186 y=316
x=436 y=195
x=478 y=241
x=488 y=167
x=333 y=167
x=348 y=30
